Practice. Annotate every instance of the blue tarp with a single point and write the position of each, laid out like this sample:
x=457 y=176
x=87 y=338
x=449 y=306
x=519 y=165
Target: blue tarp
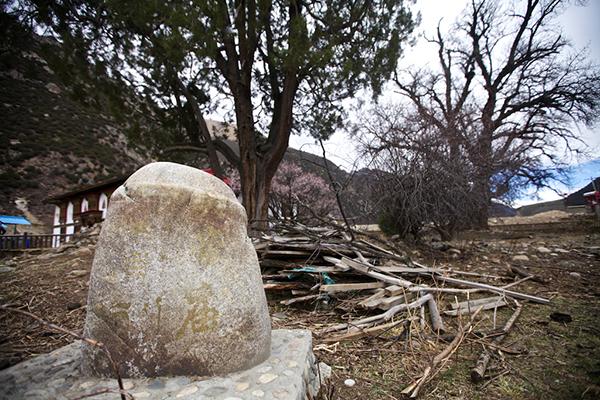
x=14 y=220
x=326 y=278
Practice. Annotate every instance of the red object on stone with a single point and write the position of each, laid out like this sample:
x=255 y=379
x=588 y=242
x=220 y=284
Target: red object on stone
x=212 y=172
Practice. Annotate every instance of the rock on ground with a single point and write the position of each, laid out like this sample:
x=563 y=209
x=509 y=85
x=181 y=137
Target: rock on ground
x=175 y=286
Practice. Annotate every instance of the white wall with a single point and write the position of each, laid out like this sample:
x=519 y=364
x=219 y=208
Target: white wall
x=70 y=228
x=56 y=229
x=103 y=204
x=85 y=205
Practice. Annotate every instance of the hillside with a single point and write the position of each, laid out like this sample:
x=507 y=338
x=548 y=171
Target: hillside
x=355 y=187
x=61 y=134
x=54 y=142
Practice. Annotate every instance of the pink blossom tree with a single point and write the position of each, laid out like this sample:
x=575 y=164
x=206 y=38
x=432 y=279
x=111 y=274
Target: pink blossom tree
x=298 y=195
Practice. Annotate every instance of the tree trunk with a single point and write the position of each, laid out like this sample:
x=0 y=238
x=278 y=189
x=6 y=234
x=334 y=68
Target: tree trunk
x=259 y=163
x=255 y=196
x=253 y=178
x=482 y=202
x=213 y=158
x=483 y=160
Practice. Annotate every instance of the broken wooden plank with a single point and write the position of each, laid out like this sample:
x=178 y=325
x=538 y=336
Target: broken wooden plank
x=359 y=333
x=337 y=262
x=402 y=307
x=473 y=303
x=375 y=318
x=495 y=289
x=371 y=271
x=300 y=292
x=260 y=246
x=395 y=290
x=469 y=310
x=299 y=299
x=409 y=270
x=348 y=287
x=432 y=289
x=274 y=276
x=286 y=253
x=286 y=239
x=282 y=285
x=374 y=299
x=271 y=263
x=388 y=302
x=309 y=269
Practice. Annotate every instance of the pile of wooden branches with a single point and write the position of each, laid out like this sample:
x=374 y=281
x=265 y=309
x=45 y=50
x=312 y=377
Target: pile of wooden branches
x=320 y=263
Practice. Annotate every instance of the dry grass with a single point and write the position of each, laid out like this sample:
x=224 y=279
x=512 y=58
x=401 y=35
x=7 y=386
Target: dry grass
x=47 y=289
x=548 y=360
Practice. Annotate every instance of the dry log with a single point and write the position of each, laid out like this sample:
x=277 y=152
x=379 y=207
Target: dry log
x=478 y=373
x=436 y=319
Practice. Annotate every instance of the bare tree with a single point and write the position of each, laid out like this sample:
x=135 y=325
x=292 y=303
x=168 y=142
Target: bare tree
x=507 y=93
x=420 y=180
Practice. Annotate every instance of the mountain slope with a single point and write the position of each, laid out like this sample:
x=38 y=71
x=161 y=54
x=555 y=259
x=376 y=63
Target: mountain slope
x=59 y=135
x=54 y=142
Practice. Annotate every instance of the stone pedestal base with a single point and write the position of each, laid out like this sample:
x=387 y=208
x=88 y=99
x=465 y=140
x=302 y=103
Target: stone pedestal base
x=289 y=373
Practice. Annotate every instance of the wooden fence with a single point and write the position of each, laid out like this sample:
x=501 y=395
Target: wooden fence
x=26 y=241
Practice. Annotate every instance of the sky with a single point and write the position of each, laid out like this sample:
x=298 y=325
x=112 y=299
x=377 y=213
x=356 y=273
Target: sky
x=579 y=24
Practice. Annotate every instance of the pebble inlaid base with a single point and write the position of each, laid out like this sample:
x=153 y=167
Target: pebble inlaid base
x=289 y=374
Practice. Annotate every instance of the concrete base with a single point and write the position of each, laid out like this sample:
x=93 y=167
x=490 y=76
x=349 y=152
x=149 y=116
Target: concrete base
x=289 y=373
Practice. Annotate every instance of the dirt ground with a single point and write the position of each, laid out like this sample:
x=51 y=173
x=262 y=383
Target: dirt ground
x=540 y=358
x=545 y=217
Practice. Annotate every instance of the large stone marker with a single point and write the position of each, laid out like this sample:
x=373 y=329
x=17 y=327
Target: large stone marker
x=175 y=285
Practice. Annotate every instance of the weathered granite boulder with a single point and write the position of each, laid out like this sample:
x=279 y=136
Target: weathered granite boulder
x=175 y=285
